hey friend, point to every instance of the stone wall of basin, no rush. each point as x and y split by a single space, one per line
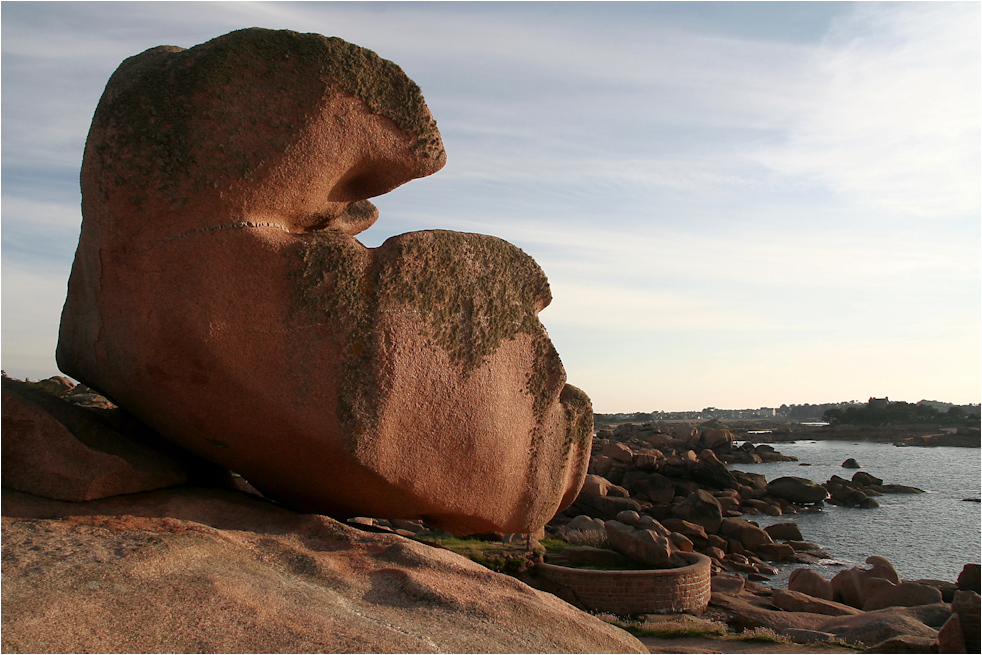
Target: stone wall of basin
657 591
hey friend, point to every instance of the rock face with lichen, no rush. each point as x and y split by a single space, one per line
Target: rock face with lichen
218 293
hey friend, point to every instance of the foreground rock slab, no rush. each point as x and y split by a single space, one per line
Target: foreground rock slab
193 570
218 293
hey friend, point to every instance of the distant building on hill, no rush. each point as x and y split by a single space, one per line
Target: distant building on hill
878 403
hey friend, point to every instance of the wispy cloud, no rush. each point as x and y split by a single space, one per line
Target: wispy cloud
893 118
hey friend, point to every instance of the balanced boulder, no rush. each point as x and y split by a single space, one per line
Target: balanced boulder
879 593
218 293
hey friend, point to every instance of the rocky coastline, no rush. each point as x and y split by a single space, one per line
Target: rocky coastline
676 481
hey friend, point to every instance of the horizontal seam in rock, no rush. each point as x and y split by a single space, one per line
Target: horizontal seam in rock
213 228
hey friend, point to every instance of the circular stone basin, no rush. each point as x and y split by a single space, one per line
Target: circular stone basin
652 591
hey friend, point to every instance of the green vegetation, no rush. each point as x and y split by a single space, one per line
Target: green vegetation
613 420
495 555
900 413
763 636
677 627
554 544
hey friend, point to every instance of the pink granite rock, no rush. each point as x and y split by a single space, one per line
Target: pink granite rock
848 585
52 448
950 637
219 295
191 570
810 582
879 593
793 601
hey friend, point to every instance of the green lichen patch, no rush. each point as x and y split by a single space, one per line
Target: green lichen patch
579 417
472 291
379 83
331 286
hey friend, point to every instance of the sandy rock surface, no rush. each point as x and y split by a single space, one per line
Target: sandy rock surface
194 570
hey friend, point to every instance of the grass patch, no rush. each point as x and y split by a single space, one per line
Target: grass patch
554 544
495 555
762 636
672 628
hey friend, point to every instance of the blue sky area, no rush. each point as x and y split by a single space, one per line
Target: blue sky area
737 204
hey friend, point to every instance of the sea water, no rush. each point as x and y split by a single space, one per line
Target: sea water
929 535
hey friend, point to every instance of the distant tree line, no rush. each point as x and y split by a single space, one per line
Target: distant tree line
902 413
615 419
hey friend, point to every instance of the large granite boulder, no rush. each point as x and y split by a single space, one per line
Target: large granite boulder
651 547
794 601
970 578
786 530
966 604
653 487
219 295
871 628
747 533
879 593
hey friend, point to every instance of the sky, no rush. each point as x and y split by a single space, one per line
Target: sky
737 205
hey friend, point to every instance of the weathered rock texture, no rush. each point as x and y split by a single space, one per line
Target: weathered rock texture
219 295
192 570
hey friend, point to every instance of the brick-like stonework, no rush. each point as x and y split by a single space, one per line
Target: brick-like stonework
659 591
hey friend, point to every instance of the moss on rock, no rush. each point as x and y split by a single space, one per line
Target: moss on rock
473 291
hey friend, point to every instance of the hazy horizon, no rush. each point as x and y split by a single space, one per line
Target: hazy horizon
737 205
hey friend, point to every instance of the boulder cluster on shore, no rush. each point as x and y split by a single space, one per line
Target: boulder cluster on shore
672 489
641 474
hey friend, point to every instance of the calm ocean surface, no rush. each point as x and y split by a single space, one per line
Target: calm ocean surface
930 535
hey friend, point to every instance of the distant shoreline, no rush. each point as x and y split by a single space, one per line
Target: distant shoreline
775 431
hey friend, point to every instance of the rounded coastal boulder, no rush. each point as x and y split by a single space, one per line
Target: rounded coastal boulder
218 293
